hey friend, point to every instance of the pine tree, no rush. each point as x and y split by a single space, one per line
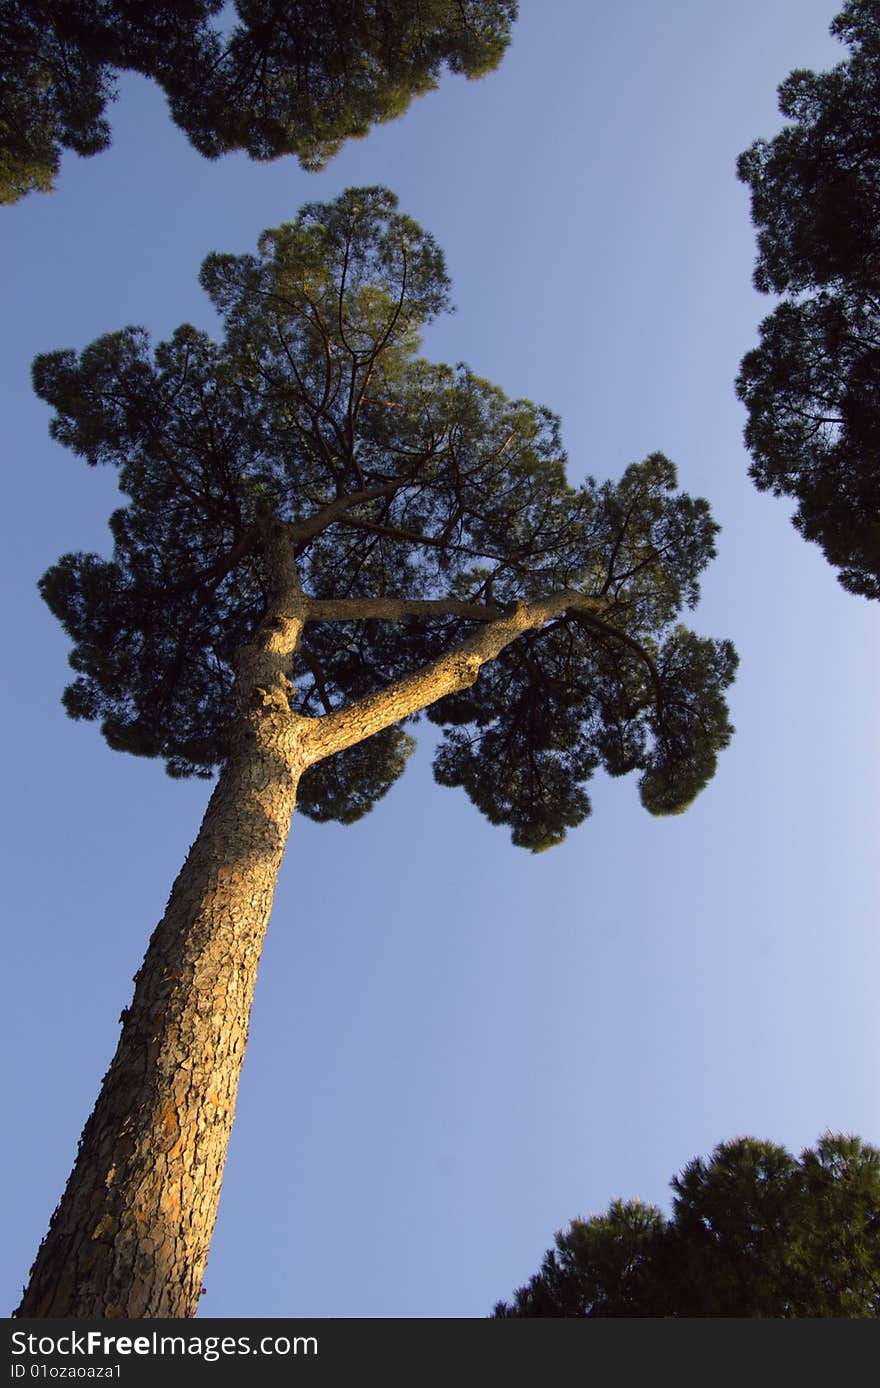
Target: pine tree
753 1233
299 78
812 387
324 535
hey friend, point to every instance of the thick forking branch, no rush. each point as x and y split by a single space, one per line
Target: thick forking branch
581 608
455 670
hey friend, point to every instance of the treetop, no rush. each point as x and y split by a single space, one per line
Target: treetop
420 504
299 78
754 1231
812 386
814 185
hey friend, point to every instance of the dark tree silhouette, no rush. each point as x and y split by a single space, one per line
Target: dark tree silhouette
753 1232
294 78
812 387
326 534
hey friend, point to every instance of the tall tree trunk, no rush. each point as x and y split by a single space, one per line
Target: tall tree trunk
131 1234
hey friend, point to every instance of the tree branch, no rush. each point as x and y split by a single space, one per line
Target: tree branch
391 609
410 537
220 568
589 619
455 670
303 531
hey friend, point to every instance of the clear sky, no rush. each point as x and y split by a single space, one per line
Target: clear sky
457 1047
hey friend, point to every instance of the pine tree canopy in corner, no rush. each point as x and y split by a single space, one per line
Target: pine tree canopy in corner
753 1233
812 387
294 78
324 535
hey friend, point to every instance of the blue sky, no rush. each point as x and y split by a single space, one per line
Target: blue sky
457 1047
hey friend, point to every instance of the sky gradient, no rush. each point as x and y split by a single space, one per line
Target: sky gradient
456 1047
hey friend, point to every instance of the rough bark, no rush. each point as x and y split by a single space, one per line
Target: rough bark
131 1234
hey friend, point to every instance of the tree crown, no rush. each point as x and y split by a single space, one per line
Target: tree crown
814 185
753 1232
812 387
299 78
396 479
